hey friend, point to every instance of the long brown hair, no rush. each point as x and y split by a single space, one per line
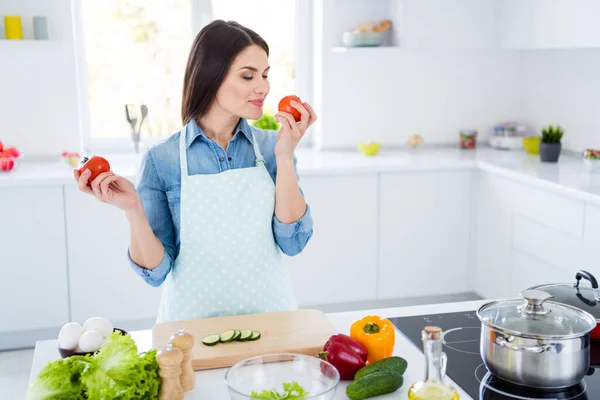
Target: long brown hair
212 53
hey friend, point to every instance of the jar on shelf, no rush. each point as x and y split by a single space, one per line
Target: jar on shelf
468 139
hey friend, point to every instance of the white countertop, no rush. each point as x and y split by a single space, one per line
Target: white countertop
570 176
210 384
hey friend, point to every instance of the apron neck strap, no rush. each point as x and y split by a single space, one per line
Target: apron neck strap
257 153
183 151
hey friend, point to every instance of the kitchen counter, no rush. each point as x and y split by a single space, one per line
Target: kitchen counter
210 383
570 176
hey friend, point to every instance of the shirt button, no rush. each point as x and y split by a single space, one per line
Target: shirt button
221 159
229 158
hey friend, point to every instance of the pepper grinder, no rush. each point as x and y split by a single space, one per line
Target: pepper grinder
169 362
184 341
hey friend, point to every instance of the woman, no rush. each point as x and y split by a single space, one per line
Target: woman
218 202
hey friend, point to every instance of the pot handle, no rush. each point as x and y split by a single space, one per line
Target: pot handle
586 275
506 343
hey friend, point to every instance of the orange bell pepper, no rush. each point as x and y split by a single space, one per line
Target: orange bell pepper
376 334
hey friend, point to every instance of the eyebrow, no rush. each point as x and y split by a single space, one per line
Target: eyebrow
253 69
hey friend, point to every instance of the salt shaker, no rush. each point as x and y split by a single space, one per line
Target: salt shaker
185 341
169 361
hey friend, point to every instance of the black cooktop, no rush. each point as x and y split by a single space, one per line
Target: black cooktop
465 366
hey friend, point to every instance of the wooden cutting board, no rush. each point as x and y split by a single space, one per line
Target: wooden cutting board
300 332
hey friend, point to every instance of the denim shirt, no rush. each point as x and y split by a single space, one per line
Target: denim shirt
159 187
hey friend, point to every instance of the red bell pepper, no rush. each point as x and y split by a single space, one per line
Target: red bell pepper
346 354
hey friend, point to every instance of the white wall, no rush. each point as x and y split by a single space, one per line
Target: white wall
38 105
563 86
446 74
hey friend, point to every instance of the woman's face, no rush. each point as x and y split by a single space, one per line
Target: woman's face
246 84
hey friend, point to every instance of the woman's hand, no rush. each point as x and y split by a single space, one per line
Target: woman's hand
109 188
291 131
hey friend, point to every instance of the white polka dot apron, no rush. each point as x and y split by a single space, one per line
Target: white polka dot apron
228 263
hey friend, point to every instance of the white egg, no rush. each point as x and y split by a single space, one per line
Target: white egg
69 335
90 341
102 325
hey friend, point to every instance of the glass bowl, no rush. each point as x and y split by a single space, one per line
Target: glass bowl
269 372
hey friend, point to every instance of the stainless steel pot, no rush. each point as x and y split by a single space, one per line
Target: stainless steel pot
536 343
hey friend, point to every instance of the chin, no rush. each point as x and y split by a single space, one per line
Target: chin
255 114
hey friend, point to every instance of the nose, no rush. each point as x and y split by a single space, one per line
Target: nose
263 87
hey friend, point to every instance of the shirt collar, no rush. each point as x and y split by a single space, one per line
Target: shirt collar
193 131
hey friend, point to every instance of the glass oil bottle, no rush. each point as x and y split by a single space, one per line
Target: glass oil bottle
434 386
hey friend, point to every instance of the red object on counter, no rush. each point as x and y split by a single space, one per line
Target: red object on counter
346 354
6 164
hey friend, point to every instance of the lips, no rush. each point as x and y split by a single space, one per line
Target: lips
258 103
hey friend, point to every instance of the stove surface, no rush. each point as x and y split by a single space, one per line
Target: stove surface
466 368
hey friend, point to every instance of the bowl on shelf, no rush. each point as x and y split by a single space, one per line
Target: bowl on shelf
591 157
362 39
64 353
532 144
269 372
369 148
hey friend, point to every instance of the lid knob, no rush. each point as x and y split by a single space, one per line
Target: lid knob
534 301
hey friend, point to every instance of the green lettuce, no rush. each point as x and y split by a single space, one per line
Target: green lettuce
116 371
291 391
60 380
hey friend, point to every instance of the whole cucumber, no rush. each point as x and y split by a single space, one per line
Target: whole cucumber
393 364
374 384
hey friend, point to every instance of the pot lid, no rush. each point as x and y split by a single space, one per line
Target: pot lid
537 316
584 295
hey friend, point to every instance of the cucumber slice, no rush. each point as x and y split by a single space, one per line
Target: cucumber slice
227 336
245 335
237 334
255 336
211 340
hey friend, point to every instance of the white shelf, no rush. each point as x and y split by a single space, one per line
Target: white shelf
342 49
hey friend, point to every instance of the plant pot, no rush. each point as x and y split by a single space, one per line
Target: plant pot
549 152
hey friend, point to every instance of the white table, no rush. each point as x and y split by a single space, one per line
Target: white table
210 384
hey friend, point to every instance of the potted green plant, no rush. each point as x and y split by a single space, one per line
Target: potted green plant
550 145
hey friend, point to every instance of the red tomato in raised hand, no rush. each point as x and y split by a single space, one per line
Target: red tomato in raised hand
96 165
11 152
6 164
285 106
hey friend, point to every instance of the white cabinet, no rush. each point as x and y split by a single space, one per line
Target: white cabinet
424 233
33 263
548 24
339 264
102 282
524 236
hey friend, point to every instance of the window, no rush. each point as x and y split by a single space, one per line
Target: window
135 51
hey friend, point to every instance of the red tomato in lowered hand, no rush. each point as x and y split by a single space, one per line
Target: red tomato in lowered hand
285 106
11 152
6 164
96 165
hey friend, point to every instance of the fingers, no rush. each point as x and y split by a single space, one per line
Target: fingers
313 114
305 115
82 181
97 182
287 120
105 185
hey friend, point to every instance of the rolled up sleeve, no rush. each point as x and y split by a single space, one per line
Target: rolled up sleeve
292 238
156 207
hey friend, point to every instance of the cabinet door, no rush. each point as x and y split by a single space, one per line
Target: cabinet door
101 280
339 264
424 233
547 24
33 266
